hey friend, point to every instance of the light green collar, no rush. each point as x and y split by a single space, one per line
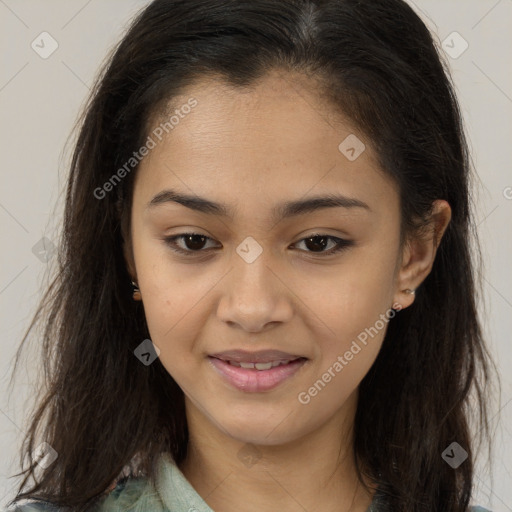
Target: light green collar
175 490
177 493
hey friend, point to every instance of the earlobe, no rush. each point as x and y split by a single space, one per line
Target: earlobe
419 254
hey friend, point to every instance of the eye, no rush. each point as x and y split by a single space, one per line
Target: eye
318 242
194 243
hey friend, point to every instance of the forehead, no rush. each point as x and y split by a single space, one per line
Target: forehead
258 145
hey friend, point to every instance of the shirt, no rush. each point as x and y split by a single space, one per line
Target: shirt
171 492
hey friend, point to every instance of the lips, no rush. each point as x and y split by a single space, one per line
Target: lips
256 380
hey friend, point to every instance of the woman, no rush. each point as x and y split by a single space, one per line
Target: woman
266 296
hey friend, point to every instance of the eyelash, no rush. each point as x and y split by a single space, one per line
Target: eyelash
342 244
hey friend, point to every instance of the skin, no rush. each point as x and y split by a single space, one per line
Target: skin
252 149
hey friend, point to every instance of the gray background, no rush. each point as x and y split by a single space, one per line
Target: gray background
40 100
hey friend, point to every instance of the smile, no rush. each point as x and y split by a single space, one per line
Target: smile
256 377
259 366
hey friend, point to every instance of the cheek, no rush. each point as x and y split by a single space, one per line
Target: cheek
166 292
167 301
353 295
355 310
356 335
357 330
173 319
175 307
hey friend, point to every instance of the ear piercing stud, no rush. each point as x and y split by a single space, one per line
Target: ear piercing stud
136 292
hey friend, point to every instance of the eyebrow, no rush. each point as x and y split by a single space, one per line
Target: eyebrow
279 212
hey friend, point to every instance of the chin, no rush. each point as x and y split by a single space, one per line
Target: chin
261 433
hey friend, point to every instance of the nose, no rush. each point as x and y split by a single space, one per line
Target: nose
255 296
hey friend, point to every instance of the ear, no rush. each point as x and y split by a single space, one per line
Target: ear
419 253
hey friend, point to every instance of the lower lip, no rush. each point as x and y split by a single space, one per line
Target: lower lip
252 380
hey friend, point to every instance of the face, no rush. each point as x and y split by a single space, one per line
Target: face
316 283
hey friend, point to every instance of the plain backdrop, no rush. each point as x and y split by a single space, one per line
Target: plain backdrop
40 99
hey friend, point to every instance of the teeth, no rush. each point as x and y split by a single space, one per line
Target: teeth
259 366
263 366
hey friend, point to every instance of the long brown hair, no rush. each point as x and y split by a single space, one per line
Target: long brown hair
378 63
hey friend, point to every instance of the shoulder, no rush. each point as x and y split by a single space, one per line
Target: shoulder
35 506
126 493
376 508
135 493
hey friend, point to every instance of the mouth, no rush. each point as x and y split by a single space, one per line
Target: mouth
275 357
256 377
261 366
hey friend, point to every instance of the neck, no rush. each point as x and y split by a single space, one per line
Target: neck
315 472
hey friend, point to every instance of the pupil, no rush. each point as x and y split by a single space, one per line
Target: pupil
322 245
194 238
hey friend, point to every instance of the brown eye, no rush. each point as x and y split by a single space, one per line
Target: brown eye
194 242
191 243
318 242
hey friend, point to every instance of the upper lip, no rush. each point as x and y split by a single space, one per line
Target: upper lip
261 356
